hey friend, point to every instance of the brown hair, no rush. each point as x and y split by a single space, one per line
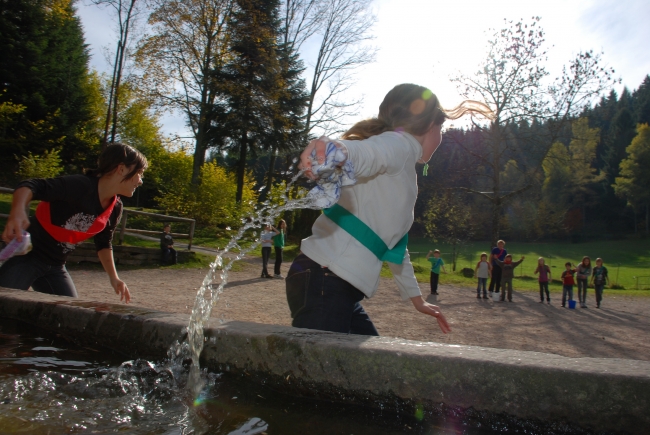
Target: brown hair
586 258
413 109
117 154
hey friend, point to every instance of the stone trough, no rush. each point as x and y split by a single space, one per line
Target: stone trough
593 393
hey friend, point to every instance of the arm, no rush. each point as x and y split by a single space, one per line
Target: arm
18 219
106 258
429 254
432 310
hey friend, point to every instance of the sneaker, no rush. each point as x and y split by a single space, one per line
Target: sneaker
278 276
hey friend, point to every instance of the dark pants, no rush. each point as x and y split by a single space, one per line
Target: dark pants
169 255
266 254
543 286
278 260
567 292
582 290
599 294
481 282
434 283
495 281
318 299
25 271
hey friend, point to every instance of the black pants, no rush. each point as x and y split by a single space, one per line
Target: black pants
169 256
318 299
23 271
496 279
278 260
434 282
543 287
266 254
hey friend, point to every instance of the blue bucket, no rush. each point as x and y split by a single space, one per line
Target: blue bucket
572 305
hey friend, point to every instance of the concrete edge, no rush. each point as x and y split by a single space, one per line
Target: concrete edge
593 393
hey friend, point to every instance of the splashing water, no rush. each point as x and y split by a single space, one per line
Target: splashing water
208 295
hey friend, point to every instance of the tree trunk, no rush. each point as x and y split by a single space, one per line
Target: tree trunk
269 174
241 166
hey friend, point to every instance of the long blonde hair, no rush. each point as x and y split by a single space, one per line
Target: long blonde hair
411 108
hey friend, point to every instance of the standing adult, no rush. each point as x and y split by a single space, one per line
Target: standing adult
498 253
278 244
73 208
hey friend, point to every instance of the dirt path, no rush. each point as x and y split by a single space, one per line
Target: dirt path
619 330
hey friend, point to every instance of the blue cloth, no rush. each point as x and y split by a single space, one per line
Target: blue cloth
335 172
502 255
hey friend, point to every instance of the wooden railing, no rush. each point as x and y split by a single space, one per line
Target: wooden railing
160 217
5 190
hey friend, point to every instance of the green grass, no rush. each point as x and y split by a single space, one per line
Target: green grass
625 260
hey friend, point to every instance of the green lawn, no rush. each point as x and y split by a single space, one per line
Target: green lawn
625 260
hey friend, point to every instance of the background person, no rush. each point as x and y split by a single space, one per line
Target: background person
583 271
437 263
498 253
278 244
73 208
266 239
169 254
599 279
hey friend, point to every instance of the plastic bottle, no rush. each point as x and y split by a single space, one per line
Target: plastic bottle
16 248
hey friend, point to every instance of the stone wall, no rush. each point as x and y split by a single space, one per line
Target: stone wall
593 393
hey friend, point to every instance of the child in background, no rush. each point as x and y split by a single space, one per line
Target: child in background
567 283
507 274
482 271
544 277
278 244
169 254
599 279
266 239
582 273
436 265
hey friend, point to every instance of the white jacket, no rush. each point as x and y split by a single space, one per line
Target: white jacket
383 199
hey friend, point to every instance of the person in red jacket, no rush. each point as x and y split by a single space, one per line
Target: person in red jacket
73 208
567 283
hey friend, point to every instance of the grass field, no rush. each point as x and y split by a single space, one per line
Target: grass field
628 261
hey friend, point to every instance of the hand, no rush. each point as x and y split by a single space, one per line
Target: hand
431 310
522 257
121 289
16 223
320 146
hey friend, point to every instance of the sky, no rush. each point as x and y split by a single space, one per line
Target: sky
426 41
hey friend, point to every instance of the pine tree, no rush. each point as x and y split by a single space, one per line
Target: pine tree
44 68
254 84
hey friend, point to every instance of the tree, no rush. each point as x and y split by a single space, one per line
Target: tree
254 83
447 219
634 179
343 27
44 70
126 14
188 44
46 166
513 81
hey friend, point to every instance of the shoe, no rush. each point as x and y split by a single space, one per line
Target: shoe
435 293
562 305
509 300
278 276
268 276
548 301
496 291
542 301
598 306
478 296
485 297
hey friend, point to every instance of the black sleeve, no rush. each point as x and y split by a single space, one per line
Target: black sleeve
163 242
104 239
59 188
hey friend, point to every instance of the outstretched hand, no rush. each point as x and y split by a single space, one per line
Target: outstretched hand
432 310
121 289
16 223
320 145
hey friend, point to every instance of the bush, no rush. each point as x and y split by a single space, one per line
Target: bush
34 166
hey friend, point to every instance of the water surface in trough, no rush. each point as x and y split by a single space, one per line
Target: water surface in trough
51 386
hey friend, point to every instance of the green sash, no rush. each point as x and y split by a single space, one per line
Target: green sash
366 236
